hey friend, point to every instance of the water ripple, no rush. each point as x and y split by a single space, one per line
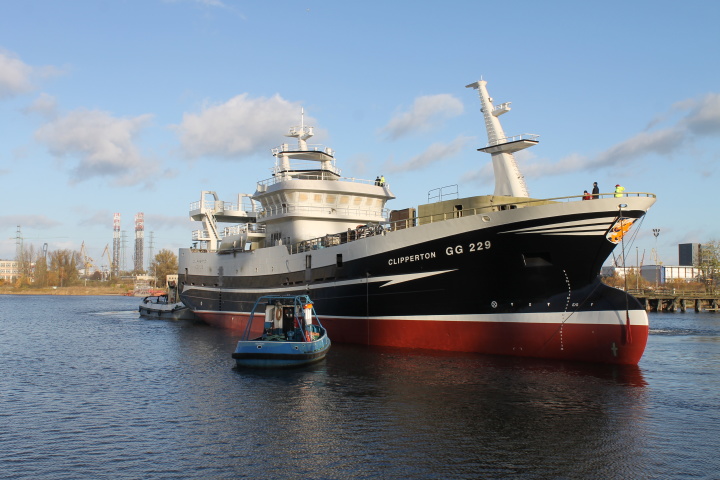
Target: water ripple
89 390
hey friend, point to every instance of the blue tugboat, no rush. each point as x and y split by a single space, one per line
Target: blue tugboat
291 334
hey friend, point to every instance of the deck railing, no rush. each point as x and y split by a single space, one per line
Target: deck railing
515 138
319 175
323 211
383 228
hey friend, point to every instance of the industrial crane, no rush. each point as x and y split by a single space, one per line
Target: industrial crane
87 261
105 253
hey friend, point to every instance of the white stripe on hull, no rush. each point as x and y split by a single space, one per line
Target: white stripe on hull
637 317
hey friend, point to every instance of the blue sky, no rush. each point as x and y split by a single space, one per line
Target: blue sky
139 105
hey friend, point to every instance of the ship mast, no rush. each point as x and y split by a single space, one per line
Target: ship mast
508 179
302 133
284 153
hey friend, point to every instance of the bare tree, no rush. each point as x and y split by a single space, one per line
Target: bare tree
41 272
26 260
64 267
709 262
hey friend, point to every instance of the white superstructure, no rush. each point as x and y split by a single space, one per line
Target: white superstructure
306 198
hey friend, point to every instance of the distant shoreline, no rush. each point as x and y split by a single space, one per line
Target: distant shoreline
65 291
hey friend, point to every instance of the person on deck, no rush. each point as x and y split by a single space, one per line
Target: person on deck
595 191
586 195
619 189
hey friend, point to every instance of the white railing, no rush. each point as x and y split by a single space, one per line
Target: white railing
313 176
325 211
309 147
243 228
221 206
386 228
202 235
514 138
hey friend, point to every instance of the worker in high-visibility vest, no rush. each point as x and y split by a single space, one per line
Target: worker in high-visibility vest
619 189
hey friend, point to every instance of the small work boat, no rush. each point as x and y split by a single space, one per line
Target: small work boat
291 334
158 306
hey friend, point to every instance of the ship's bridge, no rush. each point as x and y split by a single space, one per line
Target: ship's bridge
304 154
312 203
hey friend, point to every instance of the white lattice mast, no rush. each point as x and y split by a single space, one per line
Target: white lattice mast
115 267
508 179
139 241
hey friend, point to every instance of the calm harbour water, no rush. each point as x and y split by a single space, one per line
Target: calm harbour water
90 390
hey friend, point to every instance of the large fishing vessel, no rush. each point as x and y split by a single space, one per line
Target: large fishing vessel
496 274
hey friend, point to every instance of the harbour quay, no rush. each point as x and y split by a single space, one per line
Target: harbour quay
669 300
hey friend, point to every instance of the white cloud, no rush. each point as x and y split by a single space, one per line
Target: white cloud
569 164
358 164
423 115
702 119
93 218
161 223
482 175
704 116
102 144
45 105
242 126
37 222
662 142
14 75
435 153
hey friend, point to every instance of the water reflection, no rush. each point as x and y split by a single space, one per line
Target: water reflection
89 390
457 414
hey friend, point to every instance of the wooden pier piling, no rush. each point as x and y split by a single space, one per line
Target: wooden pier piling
671 301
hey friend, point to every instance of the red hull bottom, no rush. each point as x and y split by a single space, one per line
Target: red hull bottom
599 342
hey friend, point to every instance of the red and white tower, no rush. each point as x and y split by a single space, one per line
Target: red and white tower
115 267
139 239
